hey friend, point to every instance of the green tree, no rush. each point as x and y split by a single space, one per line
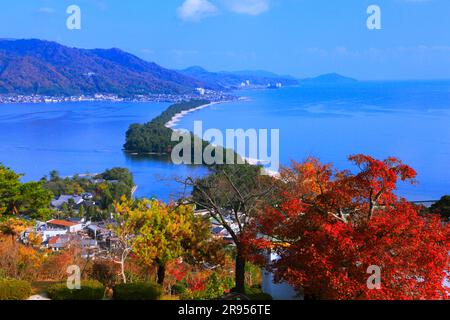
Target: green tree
127 222
65 208
54 175
442 207
34 200
29 198
215 287
120 174
160 231
233 195
81 212
9 191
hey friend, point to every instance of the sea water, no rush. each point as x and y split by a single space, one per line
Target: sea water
409 120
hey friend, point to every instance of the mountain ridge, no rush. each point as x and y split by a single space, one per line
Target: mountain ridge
328 78
32 66
40 67
236 79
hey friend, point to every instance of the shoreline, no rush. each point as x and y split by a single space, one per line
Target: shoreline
256 162
180 115
113 98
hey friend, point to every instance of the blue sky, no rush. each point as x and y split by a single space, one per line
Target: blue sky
299 37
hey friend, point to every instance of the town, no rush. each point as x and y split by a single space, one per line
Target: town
96 238
211 95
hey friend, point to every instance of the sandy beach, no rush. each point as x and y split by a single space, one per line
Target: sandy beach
177 117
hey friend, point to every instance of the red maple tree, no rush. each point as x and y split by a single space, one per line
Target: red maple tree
330 226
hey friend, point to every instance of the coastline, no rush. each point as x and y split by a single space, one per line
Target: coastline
156 97
180 115
256 162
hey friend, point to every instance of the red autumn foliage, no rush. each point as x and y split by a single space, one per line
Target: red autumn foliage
198 282
330 226
177 271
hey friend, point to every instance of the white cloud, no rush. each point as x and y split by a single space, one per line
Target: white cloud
250 7
196 9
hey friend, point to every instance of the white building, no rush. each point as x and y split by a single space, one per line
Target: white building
57 203
47 234
201 91
71 227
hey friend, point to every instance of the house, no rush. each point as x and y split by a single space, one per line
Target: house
47 232
53 229
220 232
68 200
87 196
97 232
89 248
202 213
200 91
93 231
71 227
89 244
58 243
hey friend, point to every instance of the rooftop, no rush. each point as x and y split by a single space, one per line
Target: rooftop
62 223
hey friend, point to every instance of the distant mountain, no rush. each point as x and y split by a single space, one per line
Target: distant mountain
233 80
43 67
330 78
261 74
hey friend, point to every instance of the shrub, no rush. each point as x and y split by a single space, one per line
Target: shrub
137 291
179 287
105 272
11 289
260 296
90 290
442 207
215 287
256 293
